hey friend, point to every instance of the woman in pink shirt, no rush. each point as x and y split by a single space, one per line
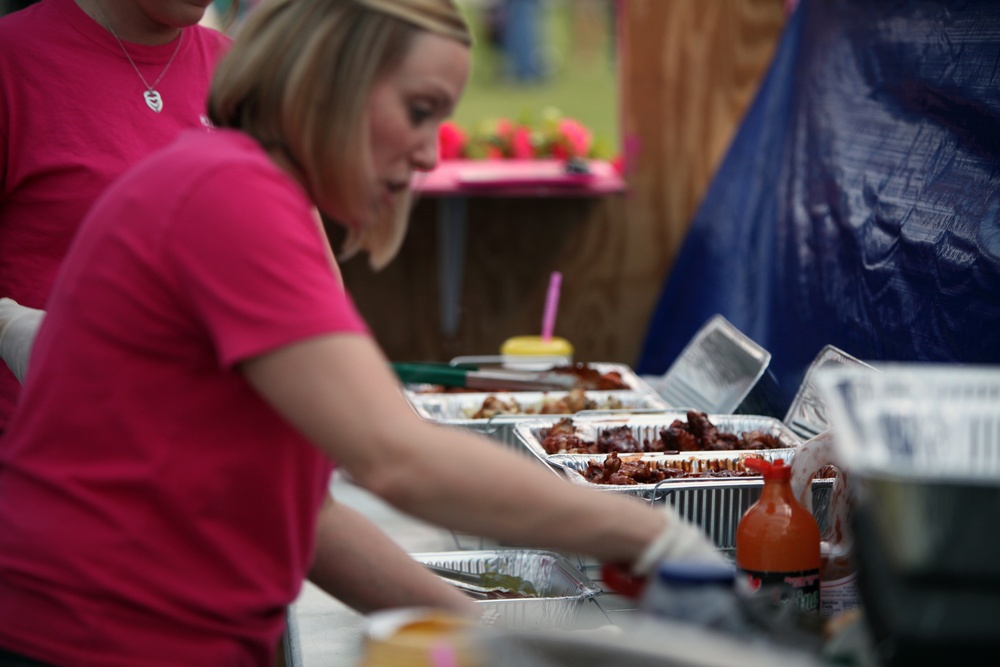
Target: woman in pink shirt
200 371
87 89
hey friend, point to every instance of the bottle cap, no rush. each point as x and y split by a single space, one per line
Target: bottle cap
777 469
682 573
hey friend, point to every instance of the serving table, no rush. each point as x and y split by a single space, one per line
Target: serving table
323 632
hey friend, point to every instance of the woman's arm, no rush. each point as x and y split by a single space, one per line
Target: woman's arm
360 566
340 392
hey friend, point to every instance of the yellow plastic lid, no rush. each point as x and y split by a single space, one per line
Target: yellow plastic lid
534 345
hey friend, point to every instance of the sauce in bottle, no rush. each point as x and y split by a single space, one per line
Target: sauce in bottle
778 541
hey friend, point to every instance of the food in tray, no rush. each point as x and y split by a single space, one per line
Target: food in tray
562 438
507 586
585 377
562 404
617 470
697 434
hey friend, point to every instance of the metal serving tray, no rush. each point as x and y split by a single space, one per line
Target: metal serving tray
921 446
566 594
648 426
807 415
714 504
629 377
454 409
717 371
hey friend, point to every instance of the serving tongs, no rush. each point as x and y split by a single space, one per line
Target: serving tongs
486 379
468 582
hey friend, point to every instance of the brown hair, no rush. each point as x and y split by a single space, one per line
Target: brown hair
297 79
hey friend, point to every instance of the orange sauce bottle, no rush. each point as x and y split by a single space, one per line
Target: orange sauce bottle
778 540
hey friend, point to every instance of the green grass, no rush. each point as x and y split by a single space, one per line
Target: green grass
582 83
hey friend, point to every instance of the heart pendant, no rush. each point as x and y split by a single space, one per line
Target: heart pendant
153 100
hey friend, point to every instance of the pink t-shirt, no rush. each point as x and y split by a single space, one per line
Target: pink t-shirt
72 119
155 511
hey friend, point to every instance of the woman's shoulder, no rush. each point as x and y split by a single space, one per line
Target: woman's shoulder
221 157
212 40
26 27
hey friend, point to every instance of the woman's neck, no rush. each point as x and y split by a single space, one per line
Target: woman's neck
128 22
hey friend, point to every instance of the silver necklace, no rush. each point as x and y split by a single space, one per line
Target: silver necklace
153 98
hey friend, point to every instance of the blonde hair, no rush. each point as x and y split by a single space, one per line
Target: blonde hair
297 79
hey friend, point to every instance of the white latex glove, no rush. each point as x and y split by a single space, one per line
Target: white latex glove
18 326
680 541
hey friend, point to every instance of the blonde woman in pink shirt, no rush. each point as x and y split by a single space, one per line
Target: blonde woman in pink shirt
200 370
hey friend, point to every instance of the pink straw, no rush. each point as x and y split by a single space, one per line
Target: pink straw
551 305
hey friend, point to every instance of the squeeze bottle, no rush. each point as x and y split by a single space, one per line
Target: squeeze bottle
778 541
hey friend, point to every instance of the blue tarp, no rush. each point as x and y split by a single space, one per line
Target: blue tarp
859 204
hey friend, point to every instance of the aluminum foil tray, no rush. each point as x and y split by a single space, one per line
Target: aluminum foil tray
454 409
629 377
565 592
921 446
530 434
715 372
807 415
714 504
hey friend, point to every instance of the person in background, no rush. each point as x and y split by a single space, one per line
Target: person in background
523 41
200 370
228 15
87 88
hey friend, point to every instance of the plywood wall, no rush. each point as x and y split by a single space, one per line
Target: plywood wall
689 69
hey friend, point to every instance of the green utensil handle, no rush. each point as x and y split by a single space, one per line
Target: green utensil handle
442 374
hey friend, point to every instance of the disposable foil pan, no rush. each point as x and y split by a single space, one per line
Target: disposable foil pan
530 434
921 446
629 377
455 409
807 415
716 371
574 466
714 504
565 593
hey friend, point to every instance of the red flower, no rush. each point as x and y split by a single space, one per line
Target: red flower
520 144
504 130
573 140
451 141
